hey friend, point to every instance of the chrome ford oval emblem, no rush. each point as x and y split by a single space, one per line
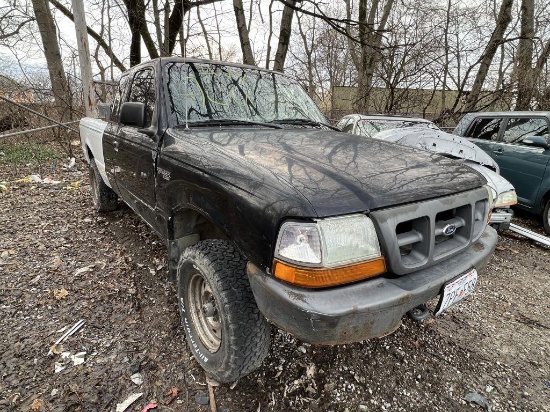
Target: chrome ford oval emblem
449 230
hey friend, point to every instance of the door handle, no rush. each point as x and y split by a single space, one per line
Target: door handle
115 145
498 151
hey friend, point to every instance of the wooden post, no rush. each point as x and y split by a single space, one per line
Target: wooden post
84 58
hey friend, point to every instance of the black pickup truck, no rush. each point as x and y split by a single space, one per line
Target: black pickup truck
270 214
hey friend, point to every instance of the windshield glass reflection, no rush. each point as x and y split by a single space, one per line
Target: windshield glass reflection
199 92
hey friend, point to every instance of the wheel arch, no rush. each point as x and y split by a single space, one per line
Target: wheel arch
187 227
89 152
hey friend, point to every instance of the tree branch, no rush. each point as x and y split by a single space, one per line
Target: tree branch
16 31
92 33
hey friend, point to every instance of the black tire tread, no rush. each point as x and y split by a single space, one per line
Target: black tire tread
107 200
249 330
545 216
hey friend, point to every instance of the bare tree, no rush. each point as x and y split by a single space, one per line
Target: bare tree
46 26
368 55
497 38
96 36
284 35
243 30
526 81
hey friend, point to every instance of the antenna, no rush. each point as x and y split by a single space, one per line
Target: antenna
186 95
184 55
184 46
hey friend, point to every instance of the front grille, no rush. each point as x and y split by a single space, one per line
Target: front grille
419 235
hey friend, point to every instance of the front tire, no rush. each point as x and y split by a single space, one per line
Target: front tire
103 197
546 217
225 330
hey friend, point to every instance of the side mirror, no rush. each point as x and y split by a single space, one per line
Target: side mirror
132 114
104 111
536 141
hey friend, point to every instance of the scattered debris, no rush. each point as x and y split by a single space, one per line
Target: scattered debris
480 400
311 370
172 394
149 407
202 398
54 392
137 378
74 185
49 181
84 270
70 164
35 179
78 358
59 294
212 399
530 234
58 367
121 407
37 404
71 331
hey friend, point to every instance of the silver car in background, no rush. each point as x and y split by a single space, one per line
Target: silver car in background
420 133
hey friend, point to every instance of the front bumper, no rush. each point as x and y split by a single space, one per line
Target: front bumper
501 217
362 310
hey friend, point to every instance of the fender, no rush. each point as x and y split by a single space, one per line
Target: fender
91 138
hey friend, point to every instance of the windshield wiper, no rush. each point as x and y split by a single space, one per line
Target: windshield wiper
305 121
229 122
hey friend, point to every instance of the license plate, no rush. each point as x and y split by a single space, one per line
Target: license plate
456 290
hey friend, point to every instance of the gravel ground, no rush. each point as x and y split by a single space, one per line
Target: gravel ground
61 262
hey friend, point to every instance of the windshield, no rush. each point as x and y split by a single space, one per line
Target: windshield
371 127
202 92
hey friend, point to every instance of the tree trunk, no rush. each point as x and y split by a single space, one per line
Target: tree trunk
248 57
136 20
370 55
525 72
284 36
503 20
47 29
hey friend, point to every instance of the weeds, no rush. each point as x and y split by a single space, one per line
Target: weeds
21 154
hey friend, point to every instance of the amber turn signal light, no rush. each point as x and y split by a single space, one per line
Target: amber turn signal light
323 277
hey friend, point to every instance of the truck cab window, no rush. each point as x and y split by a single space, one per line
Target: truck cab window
519 128
485 128
143 91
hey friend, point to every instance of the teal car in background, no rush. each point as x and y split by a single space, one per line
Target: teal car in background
520 144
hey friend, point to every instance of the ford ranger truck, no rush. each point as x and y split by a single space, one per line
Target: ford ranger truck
269 214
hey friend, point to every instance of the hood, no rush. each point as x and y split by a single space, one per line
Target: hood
337 173
438 141
494 180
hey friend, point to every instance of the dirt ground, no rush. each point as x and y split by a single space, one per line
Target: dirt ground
60 262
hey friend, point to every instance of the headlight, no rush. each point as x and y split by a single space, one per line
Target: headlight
508 198
328 252
299 242
491 196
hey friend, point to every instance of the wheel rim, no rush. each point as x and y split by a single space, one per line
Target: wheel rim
204 312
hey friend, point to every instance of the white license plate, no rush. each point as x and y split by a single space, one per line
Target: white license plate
456 290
